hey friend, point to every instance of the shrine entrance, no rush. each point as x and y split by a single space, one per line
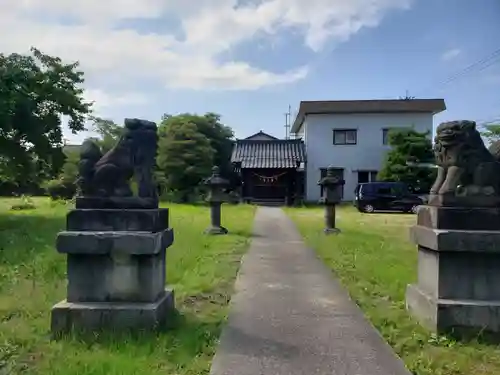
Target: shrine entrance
271 170
266 185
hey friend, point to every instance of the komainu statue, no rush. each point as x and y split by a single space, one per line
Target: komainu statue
466 168
103 178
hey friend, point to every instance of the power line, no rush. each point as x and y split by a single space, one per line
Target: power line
479 66
492 57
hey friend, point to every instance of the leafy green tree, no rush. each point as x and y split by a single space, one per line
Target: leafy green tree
219 135
36 91
408 145
30 181
64 186
491 132
109 132
185 157
69 172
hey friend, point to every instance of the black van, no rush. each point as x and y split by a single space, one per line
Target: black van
385 196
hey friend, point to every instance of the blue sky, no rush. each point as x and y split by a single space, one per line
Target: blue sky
249 60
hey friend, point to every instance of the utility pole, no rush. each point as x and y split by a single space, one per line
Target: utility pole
288 116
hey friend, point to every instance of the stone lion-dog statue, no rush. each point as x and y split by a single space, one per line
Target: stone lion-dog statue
108 175
465 167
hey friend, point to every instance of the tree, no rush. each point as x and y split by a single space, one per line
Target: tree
219 135
34 173
185 156
491 132
35 92
408 145
69 172
109 132
64 186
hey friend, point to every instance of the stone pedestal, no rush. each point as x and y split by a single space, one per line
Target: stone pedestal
330 215
215 220
458 269
215 198
115 269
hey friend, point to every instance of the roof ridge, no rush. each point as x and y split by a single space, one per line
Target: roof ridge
282 153
370 100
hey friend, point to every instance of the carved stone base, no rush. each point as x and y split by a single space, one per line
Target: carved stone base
464 201
115 269
136 220
459 218
116 203
216 230
458 269
331 230
88 317
443 315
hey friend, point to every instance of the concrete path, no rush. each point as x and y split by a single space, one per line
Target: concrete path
289 316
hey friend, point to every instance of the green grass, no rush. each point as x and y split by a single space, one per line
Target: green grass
375 261
200 268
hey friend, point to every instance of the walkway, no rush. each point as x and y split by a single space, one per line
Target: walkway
290 317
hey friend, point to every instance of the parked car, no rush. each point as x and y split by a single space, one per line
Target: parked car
385 196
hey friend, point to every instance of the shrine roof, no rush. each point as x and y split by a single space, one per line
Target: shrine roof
280 153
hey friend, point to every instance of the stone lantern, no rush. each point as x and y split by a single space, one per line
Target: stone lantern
216 197
332 195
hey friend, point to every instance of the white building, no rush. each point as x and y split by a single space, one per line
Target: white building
352 136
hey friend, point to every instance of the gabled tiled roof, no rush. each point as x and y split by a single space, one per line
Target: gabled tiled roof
269 154
261 136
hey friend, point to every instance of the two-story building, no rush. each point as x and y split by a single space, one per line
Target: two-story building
352 136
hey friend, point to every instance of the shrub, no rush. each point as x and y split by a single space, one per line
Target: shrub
26 203
195 195
60 189
234 197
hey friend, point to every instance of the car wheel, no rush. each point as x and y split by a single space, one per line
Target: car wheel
368 208
414 209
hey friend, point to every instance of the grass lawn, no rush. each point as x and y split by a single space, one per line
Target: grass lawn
200 268
375 260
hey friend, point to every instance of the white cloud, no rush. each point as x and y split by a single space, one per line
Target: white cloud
95 32
451 54
104 104
103 100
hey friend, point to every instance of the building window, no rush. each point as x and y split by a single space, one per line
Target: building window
385 136
367 176
345 136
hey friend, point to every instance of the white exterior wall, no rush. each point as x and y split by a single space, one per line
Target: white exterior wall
302 133
367 154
